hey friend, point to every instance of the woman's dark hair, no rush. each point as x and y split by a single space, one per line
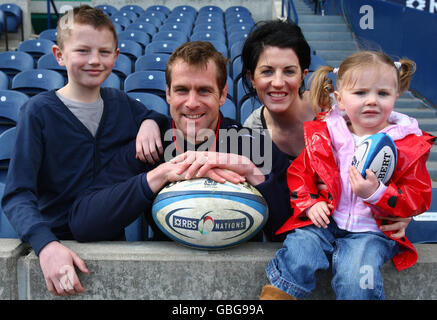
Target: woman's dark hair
275 33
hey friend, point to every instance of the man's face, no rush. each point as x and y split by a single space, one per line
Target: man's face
195 99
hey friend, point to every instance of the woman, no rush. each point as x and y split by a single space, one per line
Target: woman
276 58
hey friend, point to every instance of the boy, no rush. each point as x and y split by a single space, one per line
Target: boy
64 138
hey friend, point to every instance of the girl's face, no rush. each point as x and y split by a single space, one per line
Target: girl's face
277 78
368 96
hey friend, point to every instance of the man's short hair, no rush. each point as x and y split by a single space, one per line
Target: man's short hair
86 15
199 53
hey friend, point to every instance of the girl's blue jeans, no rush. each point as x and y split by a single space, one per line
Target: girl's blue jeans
356 262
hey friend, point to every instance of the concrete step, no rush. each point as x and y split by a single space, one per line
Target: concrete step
166 270
427 124
315 19
422 112
329 36
331 45
339 54
432 169
334 27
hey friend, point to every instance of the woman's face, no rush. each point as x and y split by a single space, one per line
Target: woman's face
277 78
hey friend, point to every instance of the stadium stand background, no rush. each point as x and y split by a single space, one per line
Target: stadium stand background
145 46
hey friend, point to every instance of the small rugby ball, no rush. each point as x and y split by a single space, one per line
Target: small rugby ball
204 214
377 153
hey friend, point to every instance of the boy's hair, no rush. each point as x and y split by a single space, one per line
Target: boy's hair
199 53
322 86
276 33
83 14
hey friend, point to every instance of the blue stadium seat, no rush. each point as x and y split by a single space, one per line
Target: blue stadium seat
177 26
236 68
241 93
118 28
152 61
123 66
127 14
208 36
214 16
236 37
32 82
212 20
177 36
237 10
6 230
137 230
160 15
181 18
207 9
146 81
229 110
208 27
121 20
133 8
230 84
423 228
232 21
130 48
185 9
151 101
12 62
235 50
4 81
112 81
14 19
239 27
220 47
142 38
159 8
49 34
10 104
149 28
48 61
149 19
108 9
161 47
248 106
36 48
14 16
7 142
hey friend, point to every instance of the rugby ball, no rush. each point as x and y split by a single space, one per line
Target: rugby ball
377 153
204 214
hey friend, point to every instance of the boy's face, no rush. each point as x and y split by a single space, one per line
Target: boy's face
89 55
195 99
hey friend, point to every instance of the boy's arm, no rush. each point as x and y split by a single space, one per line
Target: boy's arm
20 202
117 197
149 146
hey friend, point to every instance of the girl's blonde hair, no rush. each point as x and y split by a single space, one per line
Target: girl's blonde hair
322 86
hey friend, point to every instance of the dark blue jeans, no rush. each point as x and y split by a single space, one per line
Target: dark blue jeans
356 261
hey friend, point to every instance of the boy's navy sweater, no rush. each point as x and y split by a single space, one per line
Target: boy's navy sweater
121 192
56 158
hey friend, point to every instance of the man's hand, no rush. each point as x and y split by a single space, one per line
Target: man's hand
148 143
233 167
57 264
397 227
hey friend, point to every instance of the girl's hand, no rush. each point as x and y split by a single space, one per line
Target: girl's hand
397 227
319 214
363 188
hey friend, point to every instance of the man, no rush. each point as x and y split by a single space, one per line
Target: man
218 148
